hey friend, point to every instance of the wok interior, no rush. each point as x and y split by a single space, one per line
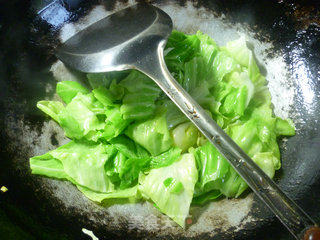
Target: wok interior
291 63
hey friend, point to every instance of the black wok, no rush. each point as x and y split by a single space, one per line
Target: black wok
285 36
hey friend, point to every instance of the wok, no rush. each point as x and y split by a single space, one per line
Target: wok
285 37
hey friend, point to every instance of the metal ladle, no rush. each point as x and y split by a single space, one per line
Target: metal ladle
134 38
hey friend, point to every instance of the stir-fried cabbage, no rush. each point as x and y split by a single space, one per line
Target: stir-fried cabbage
128 140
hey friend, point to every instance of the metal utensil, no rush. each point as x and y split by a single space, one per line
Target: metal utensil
134 38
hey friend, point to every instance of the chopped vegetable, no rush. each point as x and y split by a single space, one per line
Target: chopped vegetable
171 187
3 189
128 140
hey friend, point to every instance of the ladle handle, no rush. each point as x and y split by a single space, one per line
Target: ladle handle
288 212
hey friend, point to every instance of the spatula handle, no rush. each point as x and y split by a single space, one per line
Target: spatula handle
288 212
